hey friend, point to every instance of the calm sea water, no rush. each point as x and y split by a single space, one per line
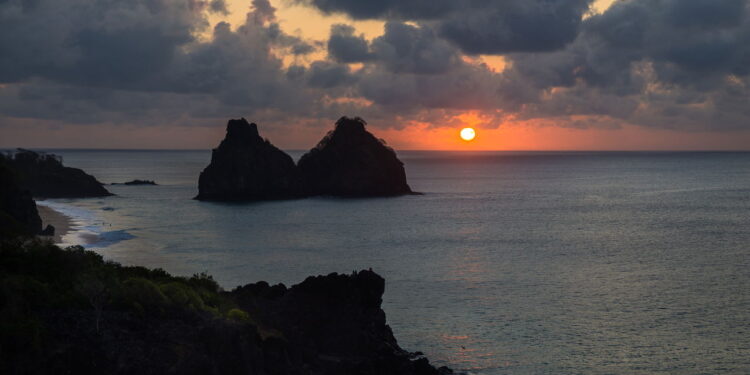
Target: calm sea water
511 263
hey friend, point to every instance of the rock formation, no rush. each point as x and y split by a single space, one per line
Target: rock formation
45 177
350 162
18 213
71 312
246 167
136 182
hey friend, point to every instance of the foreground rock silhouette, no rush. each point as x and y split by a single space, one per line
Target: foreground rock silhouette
348 162
45 176
247 167
74 313
18 213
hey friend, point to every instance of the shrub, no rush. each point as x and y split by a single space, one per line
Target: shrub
140 293
182 296
239 315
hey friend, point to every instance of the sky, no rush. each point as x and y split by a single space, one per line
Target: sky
526 74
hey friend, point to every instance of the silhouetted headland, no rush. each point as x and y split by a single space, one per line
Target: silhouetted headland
348 162
45 176
69 311
18 212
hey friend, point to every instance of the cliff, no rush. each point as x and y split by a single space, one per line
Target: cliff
18 213
350 162
45 177
247 167
68 311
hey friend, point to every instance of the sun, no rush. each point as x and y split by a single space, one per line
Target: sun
468 134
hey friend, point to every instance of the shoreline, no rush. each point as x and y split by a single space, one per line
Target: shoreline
63 224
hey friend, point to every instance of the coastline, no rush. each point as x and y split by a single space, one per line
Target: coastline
63 224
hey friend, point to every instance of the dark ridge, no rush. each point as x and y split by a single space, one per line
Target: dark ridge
72 312
45 176
18 213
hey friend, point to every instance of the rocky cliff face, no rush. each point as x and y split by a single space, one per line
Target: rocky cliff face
351 162
45 177
247 167
336 323
327 325
18 213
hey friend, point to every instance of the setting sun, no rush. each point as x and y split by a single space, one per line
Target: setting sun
468 134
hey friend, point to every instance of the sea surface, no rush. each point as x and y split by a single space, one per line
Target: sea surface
510 263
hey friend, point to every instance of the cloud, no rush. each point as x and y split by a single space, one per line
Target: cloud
661 63
670 63
345 47
479 26
514 26
76 59
405 48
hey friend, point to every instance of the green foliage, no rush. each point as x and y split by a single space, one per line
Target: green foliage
182 296
36 275
239 315
141 293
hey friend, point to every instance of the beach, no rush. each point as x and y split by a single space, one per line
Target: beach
62 223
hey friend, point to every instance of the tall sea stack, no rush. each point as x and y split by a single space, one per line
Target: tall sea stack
245 167
351 162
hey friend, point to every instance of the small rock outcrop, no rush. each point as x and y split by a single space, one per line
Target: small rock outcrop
49 231
246 167
45 176
18 213
351 162
136 182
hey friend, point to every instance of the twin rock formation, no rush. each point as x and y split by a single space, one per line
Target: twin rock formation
348 162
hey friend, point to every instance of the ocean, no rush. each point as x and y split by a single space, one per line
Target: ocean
510 263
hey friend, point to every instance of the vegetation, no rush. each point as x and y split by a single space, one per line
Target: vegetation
37 276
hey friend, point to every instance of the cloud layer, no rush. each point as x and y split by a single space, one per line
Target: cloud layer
658 63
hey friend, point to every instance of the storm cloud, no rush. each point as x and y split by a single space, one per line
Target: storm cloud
659 63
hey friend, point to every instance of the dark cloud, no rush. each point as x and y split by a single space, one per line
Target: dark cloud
345 47
669 63
662 63
479 26
404 48
99 49
366 9
324 74
514 26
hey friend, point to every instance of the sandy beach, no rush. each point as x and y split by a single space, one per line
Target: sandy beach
62 223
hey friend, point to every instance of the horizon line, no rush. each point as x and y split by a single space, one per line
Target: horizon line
399 150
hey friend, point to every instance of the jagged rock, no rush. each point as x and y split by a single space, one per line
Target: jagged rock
332 325
136 182
246 167
45 177
49 230
350 162
18 213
